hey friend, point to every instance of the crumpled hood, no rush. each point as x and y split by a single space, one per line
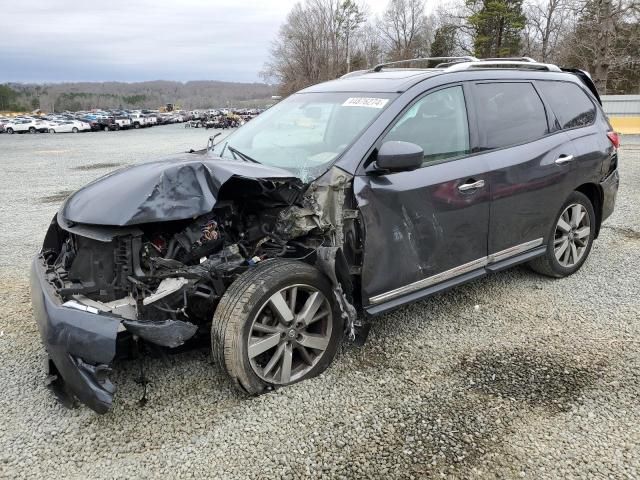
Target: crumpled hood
173 189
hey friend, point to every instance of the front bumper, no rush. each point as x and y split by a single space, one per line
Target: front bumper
80 345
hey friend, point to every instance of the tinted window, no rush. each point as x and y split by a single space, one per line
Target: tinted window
570 104
438 123
510 113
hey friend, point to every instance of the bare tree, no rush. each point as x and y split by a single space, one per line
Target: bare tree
404 29
314 44
547 23
605 38
369 46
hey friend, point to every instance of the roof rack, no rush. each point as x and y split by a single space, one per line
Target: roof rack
380 66
504 63
520 59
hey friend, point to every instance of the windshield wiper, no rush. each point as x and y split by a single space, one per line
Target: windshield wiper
234 151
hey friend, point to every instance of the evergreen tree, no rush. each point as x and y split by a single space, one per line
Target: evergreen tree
497 27
444 42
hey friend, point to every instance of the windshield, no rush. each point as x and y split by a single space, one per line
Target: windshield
306 132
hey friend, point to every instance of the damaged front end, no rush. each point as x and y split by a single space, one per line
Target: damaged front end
146 253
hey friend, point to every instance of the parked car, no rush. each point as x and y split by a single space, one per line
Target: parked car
140 120
122 122
151 119
68 126
3 121
362 194
25 125
92 122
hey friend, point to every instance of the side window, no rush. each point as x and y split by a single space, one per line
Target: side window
509 114
570 104
438 123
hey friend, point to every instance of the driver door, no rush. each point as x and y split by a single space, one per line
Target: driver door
425 227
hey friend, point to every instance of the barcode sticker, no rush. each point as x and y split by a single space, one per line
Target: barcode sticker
365 102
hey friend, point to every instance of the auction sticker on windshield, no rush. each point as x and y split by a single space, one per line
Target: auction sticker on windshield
365 102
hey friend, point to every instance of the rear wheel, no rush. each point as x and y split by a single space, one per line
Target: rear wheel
51 130
570 239
277 324
32 129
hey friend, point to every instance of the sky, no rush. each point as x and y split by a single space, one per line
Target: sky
138 40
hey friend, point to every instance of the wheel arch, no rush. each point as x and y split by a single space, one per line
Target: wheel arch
595 195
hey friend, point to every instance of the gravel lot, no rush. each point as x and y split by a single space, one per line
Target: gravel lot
512 376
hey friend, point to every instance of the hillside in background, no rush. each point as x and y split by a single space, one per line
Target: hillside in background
84 95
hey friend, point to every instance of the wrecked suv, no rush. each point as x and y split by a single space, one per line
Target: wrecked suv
357 195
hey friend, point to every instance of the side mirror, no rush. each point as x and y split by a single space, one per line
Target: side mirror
399 156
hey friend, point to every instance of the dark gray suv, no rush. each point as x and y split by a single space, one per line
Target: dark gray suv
361 194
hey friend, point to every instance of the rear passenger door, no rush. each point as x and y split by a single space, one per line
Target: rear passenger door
530 165
576 114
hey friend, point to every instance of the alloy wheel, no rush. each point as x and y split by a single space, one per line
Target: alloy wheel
290 334
572 235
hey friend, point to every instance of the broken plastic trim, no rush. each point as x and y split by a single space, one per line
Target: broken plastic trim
166 333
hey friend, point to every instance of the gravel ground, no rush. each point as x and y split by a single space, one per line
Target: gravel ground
512 376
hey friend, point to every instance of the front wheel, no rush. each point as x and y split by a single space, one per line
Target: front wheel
10 131
51 130
32 130
74 129
277 324
570 239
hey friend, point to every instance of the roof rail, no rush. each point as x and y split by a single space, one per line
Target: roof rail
521 59
526 64
380 66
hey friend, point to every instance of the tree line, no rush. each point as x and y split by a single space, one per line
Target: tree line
90 95
324 39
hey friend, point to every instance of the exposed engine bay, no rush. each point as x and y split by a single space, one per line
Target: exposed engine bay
165 278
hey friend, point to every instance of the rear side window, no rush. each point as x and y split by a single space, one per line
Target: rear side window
509 114
570 104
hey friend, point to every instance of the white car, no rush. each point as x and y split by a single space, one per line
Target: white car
30 125
140 120
122 122
68 126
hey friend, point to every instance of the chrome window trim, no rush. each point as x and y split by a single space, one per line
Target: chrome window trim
456 271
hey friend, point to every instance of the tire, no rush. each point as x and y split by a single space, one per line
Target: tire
51 130
32 130
10 131
247 301
136 125
559 263
74 129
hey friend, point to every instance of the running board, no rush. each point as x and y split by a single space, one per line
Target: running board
481 271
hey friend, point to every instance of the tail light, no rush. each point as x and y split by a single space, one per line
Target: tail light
614 138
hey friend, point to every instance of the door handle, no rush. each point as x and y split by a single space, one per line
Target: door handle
562 159
465 187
